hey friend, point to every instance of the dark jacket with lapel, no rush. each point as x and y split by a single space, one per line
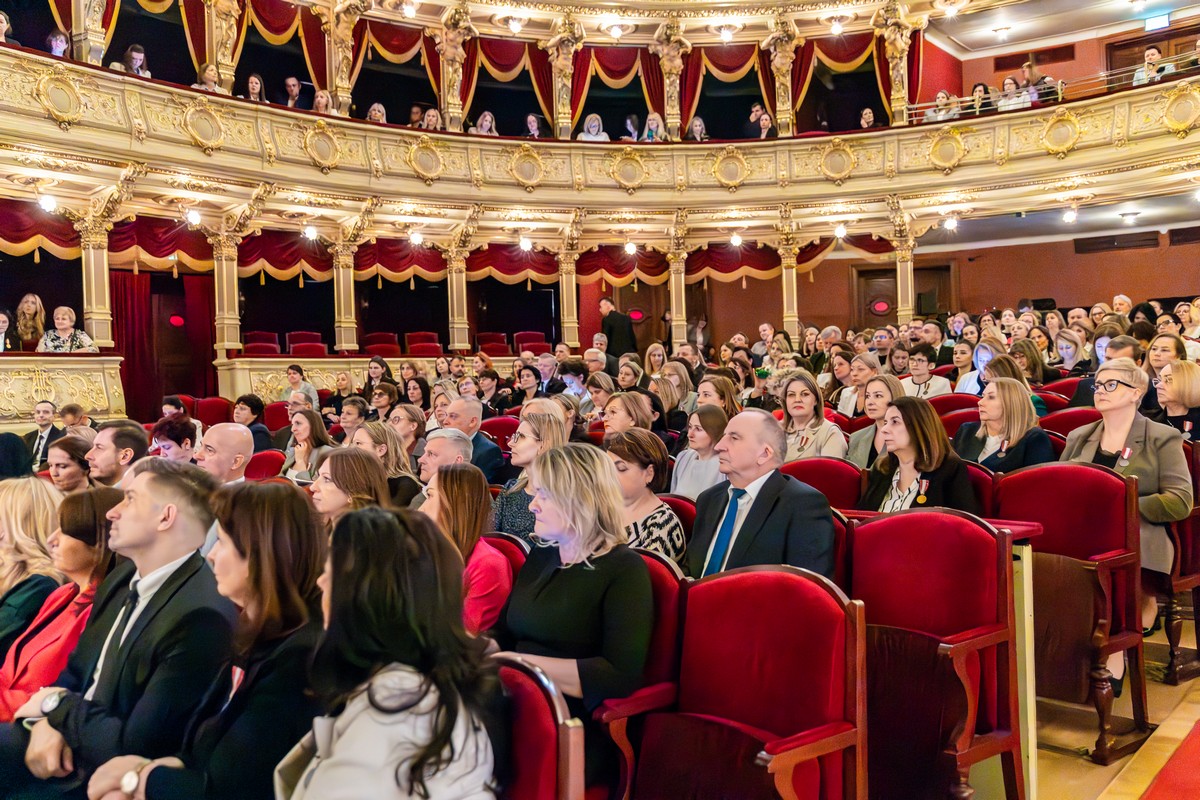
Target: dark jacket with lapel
1032 448
55 434
619 330
949 487
789 523
486 455
172 653
262 437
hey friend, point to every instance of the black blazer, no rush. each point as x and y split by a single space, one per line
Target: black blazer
55 434
178 645
619 330
233 743
20 604
262 437
1085 394
949 487
281 438
554 386
12 343
1032 448
789 523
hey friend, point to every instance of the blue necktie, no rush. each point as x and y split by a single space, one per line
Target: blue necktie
724 535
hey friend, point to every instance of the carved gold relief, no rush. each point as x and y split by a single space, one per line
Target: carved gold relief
323 146
526 167
947 150
837 161
628 169
1061 133
729 168
96 388
56 92
203 123
425 158
1182 109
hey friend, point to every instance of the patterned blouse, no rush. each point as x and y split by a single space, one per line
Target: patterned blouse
660 531
510 511
77 342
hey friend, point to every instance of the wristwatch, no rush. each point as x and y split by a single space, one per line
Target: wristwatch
131 779
50 702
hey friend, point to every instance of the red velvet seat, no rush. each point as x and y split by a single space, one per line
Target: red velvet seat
189 403
684 508
944 404
381 337
841 481
308 349
383 350
265 464
514 548
944 371
953 420
842 533
490 337
213 411
323 396
500 429
424 350
421 337
261 337
1067 420
513 411
837 419
765 704
302 337
522 338
546 741
1053 400
1185 576
260 349
1086 586
597 437
1066 387
596 425
1058 442
537 348
275 416
495 349
983 483
941 651
856 424
778 414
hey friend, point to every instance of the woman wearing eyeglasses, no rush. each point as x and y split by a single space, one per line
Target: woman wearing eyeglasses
536 434
1131 444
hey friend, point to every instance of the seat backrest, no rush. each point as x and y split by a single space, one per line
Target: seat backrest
546 741
1068 419
836 418
521 338
381 337
1066 387
261 337
265 464
841 481
944 404
420 337
189 403
391 350
496 349
597 437
213 411
514 549
309 349
752 636
425 349
666 582
684 508
953 420
260 349
857 424
1085 510
944 371
983 484
302 337
842 527
1053 400
275 416
1058 442
537 348
490 337
500 429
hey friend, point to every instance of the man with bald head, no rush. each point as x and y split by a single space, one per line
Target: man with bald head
224 454
759 515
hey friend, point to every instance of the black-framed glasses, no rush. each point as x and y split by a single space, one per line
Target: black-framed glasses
1110 386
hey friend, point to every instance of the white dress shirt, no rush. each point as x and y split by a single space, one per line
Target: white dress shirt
900 499
744 505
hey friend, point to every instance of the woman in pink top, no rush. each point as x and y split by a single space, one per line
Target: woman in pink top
457 499
80 551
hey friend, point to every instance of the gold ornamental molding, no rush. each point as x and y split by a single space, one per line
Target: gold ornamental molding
729 167
837 161
57 91
1182 109
323 146
526 167
203 122
1061 132
947 149
628 169
424 158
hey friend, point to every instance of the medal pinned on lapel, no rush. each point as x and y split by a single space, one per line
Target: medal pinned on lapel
921 488
1123 461
1003 449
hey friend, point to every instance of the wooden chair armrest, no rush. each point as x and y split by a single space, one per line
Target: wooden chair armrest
649 698
782 756
975 639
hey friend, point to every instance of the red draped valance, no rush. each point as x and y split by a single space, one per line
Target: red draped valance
159 243
508 263
397 260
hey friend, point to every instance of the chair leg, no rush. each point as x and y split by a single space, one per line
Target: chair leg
1135 657
961 789
1014 775
1102 699
1174 630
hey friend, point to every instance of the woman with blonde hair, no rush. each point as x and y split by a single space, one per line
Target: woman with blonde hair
593 130
349 479
681 379
581 608
485 125
808 432
28 515
1098 312
1072 353
863 367
457 499
671 399
867 444
655 130
537 433
323 103
443 393
1164 349
1178 389
31 318
384 441
717 390
1007 436
656 358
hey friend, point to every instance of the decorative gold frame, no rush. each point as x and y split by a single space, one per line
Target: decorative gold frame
1181 97
729 158
424 157
59 96
947 138
619 166
1062 120
838 147
526 167
316 135
198 115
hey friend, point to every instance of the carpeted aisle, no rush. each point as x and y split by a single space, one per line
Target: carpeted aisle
1180 777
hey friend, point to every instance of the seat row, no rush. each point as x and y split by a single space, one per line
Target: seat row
419 344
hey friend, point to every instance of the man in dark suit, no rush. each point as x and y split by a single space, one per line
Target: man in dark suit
934 334
39 441
760 515
159 635
547 366
292 97
695 364
611 363
618 328
465 414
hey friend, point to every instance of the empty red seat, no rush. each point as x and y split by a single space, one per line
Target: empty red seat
425 350
275 416
265 464
383 350
537 348
189 403
836 418
944 404
1054 402
983 483
381 338
523 338
420 337
1067 420
261 337
260 349
213 411
841 481
302 337
490 338
309 349
945 371
546 741
496 349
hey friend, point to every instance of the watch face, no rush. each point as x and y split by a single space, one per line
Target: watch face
51 702
129 782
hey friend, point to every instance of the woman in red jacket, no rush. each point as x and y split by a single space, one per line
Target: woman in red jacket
80 551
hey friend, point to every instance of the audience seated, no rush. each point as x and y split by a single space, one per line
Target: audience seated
348 479
133 62
1004 366
65 338
118 445
208 79
248 410
408 422
343 389
292 97
256 91
626 410
867 444
697 467
308 444
354 415
1012 96
1178 387
466 414
9 341
226 452
443 446
809 433
593 130
922 383
66 461
486 125
297 383
1007 436
383 440
28 517
38 441
536 434
641 461
172 437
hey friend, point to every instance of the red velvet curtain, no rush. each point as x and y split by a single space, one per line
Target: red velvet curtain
612 264
131 330
508 263
193 28
276 20
312 39
398 260
283 254
689 84
395 43
199 319
543 80
61 11
916 54
652 81
160 238
24 225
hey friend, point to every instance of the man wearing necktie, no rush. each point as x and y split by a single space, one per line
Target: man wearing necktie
760 515
47 433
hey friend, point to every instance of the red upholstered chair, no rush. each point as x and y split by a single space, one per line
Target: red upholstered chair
1053 400
496 349
425 350
1067 420
941 651
213 411
381 338
596 425
514 411
764 704
1086 586
842 532
189 403
514 548
546 741
265 464
490 338
1058 442
1185 576
421 337
500 429
856 424
597 437
953 420
684 508
275 416
302 337
336 430
537 348
944 404
837 419
523 338
260 349
383 350
308 349
841 481
983 482
778 414
1066 387
261 337
944 371
323 396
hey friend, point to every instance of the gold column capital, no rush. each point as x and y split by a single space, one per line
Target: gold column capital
566 40
781 43
892 23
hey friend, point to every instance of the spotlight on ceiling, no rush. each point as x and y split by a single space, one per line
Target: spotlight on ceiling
526 243
1070 216
615 27
840 231
47 203
836 27
408 8
310 233
951 223
513 22
1130 217
192 216
736 239
1001 33
630 248
416 238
